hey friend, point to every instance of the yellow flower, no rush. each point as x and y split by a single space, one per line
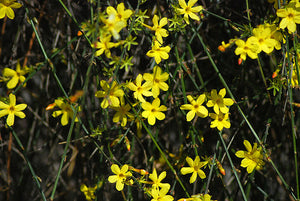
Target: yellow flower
195 168
104 46
276 35
157 81
113 24
121 177
253 157
12 110
122 113
121 14
66 112
161 195
294 80
140 89
219 102
157 27
291 17
157 180
198 197
6 8
221 120
246 48
188 10
111 94
158 52
195 107
153 111
89 192
16 76
262 37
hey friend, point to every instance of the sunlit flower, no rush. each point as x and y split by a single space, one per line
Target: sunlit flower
140 89
198 197
188 10
104 46
111 94
195 107
113 24
12 110
246 48
121 14
262 37
158 28
158 52
195 168
221 120
122 176
66 112
253 157
6 8
89 192
15 76
291 17
161 195
122 112
153 111
218 102
157 80
157 180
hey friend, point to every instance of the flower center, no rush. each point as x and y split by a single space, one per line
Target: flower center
196 106
11 108
153 110
290 16
187 9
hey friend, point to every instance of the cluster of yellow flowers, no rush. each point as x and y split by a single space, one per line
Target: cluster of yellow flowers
158 190
113 96
217 102
265 38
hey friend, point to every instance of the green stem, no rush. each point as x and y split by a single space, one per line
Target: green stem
63 158
35 177
232 166
290 92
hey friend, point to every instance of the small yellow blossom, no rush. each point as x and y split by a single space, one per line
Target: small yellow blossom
221 120
104 46
113 24
188 10
121 14
153 111
291 17
12 110
198 197
161 195
195 107
158 28
157 81
158 52
122 113
246 48
15 76
89 192
218 102
140 89
66 112
157 180
122 176
253 157
6 8
195 168
262 37
111 94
